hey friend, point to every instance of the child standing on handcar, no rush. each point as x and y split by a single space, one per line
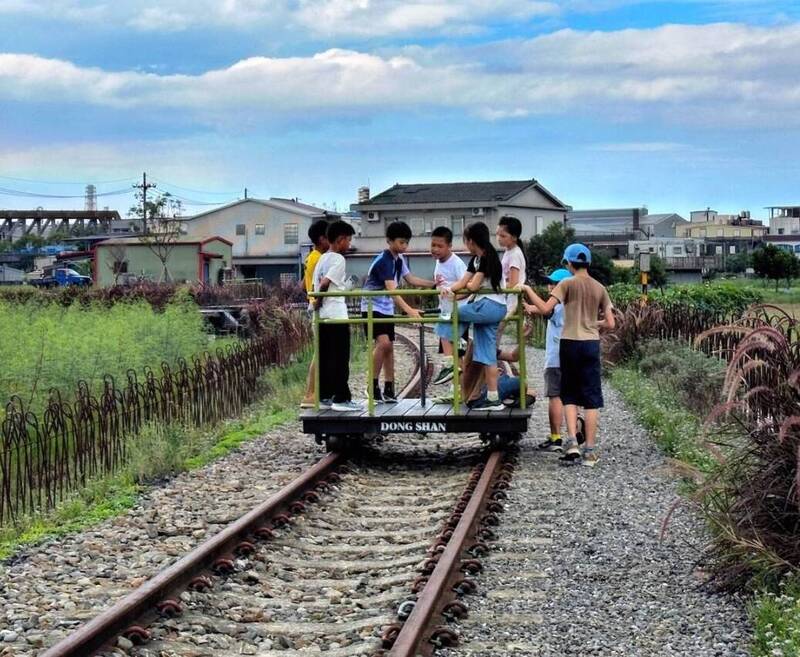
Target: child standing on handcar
486 311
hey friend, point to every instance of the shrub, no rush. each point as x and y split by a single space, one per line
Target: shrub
754 504
695 378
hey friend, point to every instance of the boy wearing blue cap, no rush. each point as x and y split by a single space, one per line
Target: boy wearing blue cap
584 300
552 367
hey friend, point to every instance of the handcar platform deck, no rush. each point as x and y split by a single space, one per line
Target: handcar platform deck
411 416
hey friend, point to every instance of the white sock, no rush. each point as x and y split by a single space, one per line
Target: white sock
492 395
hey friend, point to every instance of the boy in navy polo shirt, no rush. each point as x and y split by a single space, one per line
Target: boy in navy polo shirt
386 272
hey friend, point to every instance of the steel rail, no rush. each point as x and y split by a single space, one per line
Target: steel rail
106 627
411 640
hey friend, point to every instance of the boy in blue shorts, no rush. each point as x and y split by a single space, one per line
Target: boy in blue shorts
552 367
448 270
386 272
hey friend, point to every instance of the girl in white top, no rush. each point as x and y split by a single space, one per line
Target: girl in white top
508 233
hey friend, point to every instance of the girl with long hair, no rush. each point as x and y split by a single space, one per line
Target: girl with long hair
485 311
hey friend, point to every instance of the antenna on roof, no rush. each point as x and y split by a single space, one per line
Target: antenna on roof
245 193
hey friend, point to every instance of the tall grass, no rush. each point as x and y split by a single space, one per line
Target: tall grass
45 346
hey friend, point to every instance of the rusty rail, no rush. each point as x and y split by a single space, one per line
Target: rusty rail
212 555
417 634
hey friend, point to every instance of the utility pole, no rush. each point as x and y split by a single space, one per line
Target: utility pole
245 193
144 186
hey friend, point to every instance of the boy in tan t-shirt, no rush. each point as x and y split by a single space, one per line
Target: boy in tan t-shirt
579 351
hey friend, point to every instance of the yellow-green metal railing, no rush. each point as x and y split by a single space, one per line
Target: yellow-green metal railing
370 321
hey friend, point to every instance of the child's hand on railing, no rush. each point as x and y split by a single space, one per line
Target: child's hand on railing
446 293
413 312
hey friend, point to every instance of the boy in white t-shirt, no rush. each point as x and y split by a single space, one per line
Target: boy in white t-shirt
449 269
330 275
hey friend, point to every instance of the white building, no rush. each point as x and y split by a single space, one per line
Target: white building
784 220
455 205
269 237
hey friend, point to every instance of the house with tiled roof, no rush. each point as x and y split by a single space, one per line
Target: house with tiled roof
455 205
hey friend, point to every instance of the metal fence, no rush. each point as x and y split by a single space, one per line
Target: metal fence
45 457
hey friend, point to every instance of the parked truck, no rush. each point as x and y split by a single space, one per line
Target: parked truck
60 277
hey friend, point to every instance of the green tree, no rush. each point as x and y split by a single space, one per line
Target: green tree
603 269
161 229
772 263
737 264
546 250
25 241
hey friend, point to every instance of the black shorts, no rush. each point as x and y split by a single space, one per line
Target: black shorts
382 328
580 373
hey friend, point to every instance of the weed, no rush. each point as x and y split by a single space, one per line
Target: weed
776 621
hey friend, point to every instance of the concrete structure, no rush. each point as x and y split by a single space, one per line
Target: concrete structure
11 275
789 243
189 260
784 220
612 229
723 226
455 205
17 223
267 236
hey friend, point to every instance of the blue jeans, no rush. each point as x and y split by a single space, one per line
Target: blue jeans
507 387
485 315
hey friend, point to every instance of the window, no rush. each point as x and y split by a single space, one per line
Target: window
677 250
120 267
428 225
241 229
288 279
417 225
797 248
732 249
718 250
457 223
780 231
737 233
290 233
260 229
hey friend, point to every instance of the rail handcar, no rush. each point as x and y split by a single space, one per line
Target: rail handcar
419 415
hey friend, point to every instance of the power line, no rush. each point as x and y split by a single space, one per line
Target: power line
26 194
162 182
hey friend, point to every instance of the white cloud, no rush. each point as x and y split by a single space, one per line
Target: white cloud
363 18
707 74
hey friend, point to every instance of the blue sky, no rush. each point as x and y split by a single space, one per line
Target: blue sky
672 105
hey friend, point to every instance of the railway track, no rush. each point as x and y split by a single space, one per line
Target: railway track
359 555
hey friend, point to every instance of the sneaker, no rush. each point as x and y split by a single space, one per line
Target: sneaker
486 405
445 375
572 455
376 395
589 459
325 404
512 402
348 406
443 399
551 445
389 397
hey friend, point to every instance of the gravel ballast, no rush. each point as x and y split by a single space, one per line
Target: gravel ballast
579 567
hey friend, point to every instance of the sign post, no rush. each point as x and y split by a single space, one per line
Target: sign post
644 270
